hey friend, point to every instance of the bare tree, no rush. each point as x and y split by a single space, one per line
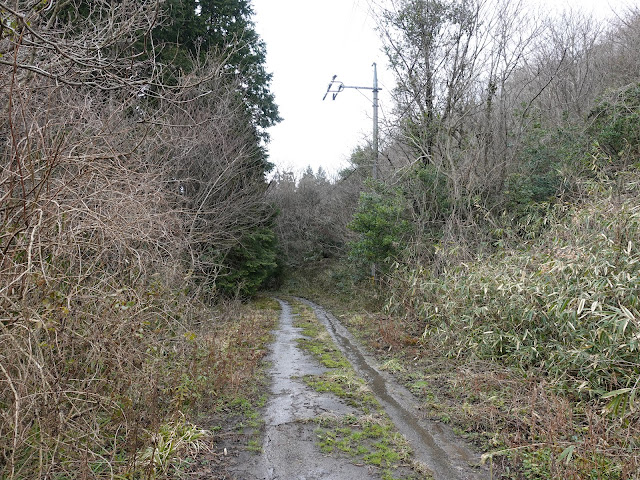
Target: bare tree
314 212
111 187
454 62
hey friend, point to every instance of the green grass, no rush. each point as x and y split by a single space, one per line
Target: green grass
369 436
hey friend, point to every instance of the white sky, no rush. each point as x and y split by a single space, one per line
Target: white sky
309 41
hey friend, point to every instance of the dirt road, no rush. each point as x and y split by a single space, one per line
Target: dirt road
291 447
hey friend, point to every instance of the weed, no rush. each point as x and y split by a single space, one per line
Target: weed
255 446
393 365
171 441
371 440
531 346
327 355
141 383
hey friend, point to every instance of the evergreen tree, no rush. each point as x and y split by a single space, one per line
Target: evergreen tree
179 36
198 27
194 31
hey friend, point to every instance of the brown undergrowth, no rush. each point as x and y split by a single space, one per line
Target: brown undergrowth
120 197
125 399
235 351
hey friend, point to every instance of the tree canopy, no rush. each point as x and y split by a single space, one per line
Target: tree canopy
199 27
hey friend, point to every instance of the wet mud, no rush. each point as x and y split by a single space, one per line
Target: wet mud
434 444
289 450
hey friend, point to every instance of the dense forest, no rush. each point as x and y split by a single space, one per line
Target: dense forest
138 205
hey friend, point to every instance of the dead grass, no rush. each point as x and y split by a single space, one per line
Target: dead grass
83 399
522 418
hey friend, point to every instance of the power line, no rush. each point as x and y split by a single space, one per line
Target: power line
337 86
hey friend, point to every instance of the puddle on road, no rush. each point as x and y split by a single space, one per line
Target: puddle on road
289 450
434 445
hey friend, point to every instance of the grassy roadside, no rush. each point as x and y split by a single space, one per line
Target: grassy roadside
530 428
230 355
120 386
368 437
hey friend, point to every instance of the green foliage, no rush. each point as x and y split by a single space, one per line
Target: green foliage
250 264
616 122
403 221
381 227
538 179
225 27
566 305
561 310
428 199
178 35
359 164
433 181
192 33
545 171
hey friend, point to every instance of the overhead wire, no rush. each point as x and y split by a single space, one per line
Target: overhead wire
360 19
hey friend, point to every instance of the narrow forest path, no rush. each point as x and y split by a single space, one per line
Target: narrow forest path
296 446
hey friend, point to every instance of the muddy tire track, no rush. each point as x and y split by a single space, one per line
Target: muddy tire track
289 449
434 444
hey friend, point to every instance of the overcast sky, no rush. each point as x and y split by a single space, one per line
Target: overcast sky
310 41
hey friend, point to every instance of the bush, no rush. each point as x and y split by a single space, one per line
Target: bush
566 305
250 265
546 166
616 123
381 227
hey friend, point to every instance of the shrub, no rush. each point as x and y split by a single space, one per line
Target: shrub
251 264
566 305
381 227
616 123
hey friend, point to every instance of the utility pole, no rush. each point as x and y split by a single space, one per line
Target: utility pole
374 173
335 87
